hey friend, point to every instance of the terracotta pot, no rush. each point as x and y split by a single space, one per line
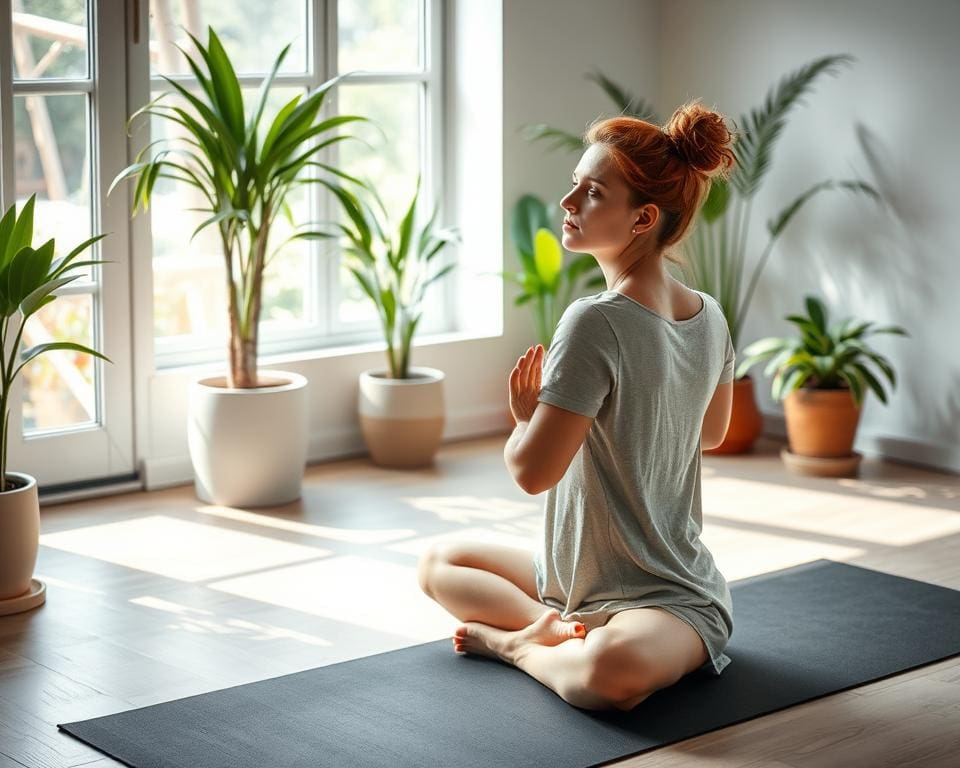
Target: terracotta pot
746 423
19 535
402 420
821 422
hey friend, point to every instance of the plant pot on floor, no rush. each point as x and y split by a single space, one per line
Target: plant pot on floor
746 422
402 420
821 427
249 445
19 543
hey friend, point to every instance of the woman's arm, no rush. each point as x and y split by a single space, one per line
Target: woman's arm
545 438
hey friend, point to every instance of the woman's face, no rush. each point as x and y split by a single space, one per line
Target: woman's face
599 216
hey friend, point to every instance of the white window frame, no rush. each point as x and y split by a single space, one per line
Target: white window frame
103 448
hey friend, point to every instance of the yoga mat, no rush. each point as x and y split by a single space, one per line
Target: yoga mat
799 633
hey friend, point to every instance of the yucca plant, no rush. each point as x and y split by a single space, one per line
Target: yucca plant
718 243
243 173
29 278
545 282
392 266
826 356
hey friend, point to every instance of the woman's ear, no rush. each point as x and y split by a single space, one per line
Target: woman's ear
647 218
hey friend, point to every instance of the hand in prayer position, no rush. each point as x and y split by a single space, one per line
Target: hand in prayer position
525 384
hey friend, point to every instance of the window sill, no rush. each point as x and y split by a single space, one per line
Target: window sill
336 351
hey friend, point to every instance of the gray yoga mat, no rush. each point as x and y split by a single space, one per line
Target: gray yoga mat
799 634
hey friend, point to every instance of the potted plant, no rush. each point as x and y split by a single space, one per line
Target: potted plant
718 242
546 284
401 408
247 431
29 278
822 377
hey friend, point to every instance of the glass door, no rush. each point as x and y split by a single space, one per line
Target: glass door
63 109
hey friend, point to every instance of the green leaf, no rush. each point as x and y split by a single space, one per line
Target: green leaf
547 256
406 226
31 303
225 84
718 199
22 233
871 380
33 352
895 329
817 312
852 377
66 262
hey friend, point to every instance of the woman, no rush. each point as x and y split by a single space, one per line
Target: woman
622 598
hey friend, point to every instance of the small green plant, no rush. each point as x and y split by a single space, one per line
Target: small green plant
392 270
28 279
244 173
544 281
826 356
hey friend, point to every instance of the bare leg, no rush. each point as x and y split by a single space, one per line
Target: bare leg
472 594
487 583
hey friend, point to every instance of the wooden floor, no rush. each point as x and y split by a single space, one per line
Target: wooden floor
157 596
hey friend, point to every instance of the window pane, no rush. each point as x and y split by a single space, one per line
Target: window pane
392 166
52 160
49 39
252 32
379 34
190 299
58 387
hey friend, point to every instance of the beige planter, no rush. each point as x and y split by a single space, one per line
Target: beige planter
402 420
249 446
19 542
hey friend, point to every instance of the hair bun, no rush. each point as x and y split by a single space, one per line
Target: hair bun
701 138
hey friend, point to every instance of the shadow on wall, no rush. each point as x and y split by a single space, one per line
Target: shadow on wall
893 244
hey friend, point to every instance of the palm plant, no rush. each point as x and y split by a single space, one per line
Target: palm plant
719 239
826 356
544 280
393 270
244 175
29 278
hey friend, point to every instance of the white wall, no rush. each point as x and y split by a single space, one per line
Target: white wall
891 119
511 63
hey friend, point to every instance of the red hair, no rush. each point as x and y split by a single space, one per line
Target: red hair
670 166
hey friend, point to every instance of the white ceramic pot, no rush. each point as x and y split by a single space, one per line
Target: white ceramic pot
249 446
402 420
19 535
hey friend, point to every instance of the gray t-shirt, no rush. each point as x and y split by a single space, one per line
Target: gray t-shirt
622 527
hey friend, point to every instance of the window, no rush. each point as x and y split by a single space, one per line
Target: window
52 90
62 98
391 50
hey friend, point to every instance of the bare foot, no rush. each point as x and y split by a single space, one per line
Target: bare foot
485 640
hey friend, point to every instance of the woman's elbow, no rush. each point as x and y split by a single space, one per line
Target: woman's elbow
533 483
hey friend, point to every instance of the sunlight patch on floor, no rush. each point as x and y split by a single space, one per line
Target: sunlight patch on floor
349 535
179 549
467 509
485 535
768 552
378 595
249 630
873 521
